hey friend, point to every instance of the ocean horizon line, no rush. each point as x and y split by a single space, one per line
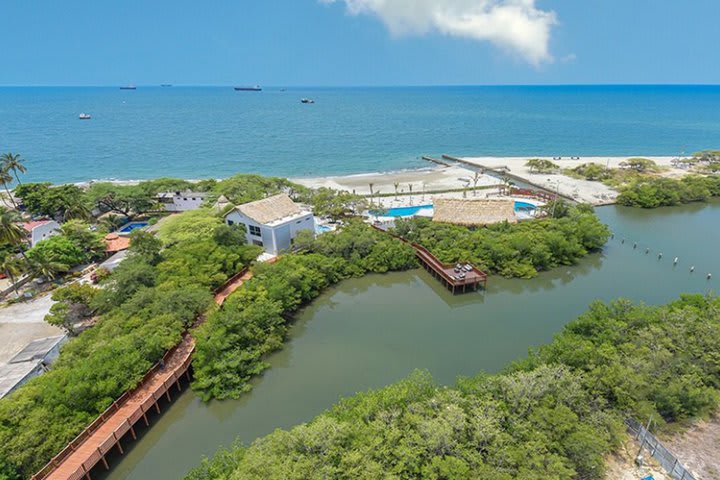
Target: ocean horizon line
388 86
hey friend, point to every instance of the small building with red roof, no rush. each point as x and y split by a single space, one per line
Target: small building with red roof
116 243
39 230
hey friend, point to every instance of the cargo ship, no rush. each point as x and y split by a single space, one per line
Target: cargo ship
128 87
256 88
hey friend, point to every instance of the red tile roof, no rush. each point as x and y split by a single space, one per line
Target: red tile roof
115 243
30 226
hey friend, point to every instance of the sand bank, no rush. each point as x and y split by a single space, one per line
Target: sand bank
586 191
428 179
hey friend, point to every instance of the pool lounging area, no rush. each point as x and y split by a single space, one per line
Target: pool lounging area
520 206
129 227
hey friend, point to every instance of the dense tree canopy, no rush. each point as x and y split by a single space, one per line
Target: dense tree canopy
75 245
144 307
232 342
553 416
74 304
519 250
193 224
56 202
336 205
662 192
243 188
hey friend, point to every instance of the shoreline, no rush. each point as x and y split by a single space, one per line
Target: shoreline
459 174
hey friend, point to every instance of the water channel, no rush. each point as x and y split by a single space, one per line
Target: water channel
371 331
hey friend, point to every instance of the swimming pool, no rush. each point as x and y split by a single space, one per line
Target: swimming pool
401 211
129 227
524 206
323 229
409 211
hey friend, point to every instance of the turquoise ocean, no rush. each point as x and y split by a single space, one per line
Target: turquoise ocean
204 132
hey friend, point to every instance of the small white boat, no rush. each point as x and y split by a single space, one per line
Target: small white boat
84 116
307 100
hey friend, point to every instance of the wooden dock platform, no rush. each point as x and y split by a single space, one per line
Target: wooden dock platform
444 272
79 457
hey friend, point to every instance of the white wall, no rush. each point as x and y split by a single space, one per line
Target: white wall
42 232
183 203
274 238
266 237
305 223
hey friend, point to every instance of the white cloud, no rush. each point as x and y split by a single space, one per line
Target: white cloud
515 25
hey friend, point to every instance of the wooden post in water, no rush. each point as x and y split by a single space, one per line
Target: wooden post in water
132 430
102 457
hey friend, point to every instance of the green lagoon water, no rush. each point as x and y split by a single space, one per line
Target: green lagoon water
369 332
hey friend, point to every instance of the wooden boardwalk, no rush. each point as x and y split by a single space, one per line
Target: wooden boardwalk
445 272
105 433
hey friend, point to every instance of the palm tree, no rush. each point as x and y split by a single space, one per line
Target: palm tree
475 180
76 209
44 266
10 231
11 267
5 179
13 162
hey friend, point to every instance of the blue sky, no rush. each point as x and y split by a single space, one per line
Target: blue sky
358 42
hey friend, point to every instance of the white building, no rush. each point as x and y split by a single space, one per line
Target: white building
272 222
39 230
181 201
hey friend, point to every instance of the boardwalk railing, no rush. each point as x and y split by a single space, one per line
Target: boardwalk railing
231 281
442 270
182 364
108 413
539 194
652 445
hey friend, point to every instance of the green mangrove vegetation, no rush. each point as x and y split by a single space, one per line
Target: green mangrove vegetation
232 342
665 192
142 308
554 415
641 186
519 250
541 165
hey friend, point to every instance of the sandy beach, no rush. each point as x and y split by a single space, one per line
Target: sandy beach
595 193
456 176
435 178
428 179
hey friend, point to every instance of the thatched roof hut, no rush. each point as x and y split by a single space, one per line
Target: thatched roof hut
472 212
270 209
222 203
